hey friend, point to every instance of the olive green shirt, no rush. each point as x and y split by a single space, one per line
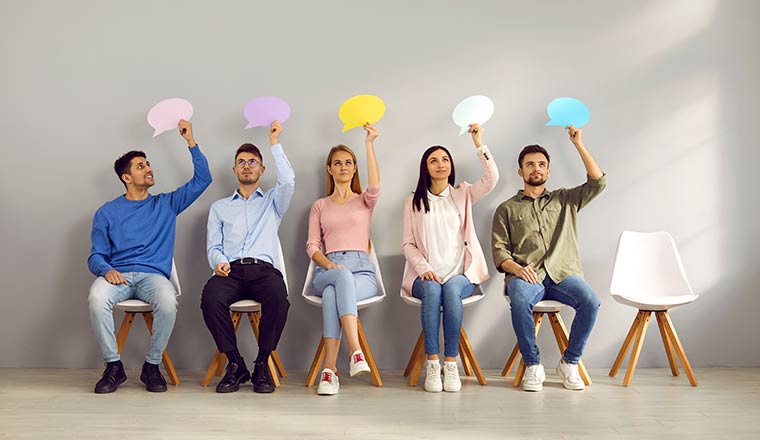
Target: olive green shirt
543 232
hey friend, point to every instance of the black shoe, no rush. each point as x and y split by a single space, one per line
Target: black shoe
236 374
262 382
152 378
113 376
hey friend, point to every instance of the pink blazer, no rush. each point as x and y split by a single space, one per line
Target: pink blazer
464 195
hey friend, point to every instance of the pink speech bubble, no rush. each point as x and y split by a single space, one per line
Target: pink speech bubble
166 114
262 111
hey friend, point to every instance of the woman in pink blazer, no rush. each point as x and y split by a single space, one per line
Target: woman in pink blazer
444 260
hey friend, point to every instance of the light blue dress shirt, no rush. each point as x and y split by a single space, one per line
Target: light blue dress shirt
239 227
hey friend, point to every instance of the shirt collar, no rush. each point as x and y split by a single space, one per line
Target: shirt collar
522 196
442 195
236 194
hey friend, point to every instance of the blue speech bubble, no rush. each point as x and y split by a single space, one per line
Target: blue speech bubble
567 111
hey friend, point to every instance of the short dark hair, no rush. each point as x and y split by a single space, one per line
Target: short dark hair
123 164
249 148
532 149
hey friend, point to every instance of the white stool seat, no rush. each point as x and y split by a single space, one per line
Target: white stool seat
655 303
133 306
472 299
544 306
245 306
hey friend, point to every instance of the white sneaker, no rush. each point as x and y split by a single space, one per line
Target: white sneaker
534 378
451 382
433 377
357 363
328 384
571 379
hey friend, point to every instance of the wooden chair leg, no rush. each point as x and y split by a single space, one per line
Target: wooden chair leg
373 370
419 346
661 323
640 334
126 324
211 371
673 336
319 356
222 359
168 364
470 354
414 374
626 343
537 318
465 360
511 360
275 364
561 335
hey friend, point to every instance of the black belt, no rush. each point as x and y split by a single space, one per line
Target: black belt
251 260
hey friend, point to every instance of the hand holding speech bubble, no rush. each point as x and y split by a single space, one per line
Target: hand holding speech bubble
166 114
359 110
568 111
476 109
262 111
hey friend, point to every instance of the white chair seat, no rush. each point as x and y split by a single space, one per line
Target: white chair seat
544 306
472 299
317 301
245 306
655 303
133 306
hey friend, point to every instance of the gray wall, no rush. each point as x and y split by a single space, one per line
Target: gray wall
671 86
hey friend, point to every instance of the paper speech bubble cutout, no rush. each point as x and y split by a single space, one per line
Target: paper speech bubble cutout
166 114
262 111
359 110
476 109
567 111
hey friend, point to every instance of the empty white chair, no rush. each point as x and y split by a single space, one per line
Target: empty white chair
308 295
133 306
649 275
466 353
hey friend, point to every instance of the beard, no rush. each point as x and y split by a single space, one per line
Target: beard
248 180
537 181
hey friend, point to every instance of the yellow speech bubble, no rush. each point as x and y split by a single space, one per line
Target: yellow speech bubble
359 110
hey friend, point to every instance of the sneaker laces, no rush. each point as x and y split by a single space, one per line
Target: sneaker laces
531 373
358 357
572 372
326 376
450 369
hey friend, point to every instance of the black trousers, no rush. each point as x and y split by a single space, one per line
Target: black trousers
260 282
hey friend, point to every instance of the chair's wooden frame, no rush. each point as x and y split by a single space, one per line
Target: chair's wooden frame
218 362
319 357
560 334
670 340
121 338
466 353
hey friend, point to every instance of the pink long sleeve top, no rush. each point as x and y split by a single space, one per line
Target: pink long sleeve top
341 227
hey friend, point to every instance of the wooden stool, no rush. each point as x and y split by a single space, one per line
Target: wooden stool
466 353
131 307
218 362
551 308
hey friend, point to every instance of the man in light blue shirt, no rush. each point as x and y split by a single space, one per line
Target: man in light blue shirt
243 250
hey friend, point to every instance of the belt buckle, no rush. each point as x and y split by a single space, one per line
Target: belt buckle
247 260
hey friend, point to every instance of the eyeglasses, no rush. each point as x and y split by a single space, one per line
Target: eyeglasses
251 163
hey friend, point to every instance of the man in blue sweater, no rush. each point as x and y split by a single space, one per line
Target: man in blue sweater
132 248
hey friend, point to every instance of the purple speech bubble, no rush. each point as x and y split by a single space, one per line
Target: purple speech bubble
262 111
166 114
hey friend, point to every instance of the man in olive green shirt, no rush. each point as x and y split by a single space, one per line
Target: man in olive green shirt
535 243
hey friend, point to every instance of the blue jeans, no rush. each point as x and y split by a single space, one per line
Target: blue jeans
447 297
342 288
573 291
152 288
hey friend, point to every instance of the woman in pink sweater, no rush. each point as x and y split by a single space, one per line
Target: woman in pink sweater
444 260
339 225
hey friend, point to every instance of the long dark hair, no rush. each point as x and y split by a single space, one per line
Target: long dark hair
423 183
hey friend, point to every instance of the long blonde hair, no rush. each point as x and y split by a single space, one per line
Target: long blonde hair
356 185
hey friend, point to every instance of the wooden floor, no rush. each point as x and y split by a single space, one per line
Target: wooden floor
59 404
